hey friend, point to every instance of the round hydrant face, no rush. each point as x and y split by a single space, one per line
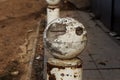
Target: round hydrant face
65 38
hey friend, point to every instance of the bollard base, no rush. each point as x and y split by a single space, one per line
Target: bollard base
64 69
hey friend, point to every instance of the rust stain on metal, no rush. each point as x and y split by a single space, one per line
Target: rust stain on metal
49 69
52 8
64 69
52 77
62 75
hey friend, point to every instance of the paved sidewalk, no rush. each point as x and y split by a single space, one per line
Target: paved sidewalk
102 55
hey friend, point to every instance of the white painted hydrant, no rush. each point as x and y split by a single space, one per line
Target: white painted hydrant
64 39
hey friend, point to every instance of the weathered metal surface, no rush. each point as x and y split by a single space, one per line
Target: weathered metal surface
52 10
52 2
52 13
65 38
64 69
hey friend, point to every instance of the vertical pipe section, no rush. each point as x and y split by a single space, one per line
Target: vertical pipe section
52 13
64 69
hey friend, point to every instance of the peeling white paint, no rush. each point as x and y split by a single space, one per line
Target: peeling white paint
52 14
52 10
69 44
67 72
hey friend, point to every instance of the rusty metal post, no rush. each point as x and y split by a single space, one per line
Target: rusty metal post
64 69
52 10
65 39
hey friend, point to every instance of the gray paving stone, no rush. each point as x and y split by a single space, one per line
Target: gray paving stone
91 75
111 74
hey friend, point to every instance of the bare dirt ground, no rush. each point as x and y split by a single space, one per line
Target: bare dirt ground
13 35
17 20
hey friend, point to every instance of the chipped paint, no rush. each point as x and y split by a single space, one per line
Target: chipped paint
64 69
65 38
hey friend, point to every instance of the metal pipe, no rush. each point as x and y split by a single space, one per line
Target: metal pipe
64 69
52 10
52 13
65 39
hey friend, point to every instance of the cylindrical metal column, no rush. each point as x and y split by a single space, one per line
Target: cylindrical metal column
52 13
64 69
65 39
52 10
